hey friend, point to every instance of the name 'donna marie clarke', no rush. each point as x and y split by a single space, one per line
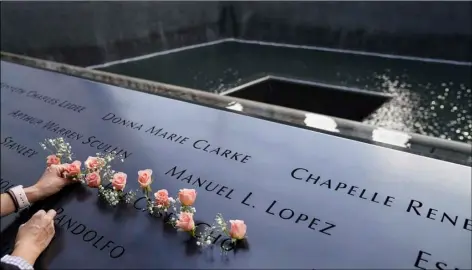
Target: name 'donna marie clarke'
414 206
200 144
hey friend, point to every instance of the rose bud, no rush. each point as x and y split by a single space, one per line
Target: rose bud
162 197
93 179
93 163
52 160
187 196
73 169
144 178
238 229
185 222
119 181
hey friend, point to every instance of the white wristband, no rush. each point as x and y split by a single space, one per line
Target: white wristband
20 197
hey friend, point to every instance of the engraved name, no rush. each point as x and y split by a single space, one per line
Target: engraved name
19 148
88 235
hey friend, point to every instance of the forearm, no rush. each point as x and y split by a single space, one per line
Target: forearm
7 205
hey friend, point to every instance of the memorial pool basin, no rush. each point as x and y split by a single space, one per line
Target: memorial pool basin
429 98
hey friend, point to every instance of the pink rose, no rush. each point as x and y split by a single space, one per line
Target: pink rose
119 180
93 179
73 169
144 178
238 229
187 196
162 197
93 163
53 160
185 222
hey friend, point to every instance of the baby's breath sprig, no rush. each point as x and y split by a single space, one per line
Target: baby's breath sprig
58 147
203 239
150 205
221 223
113 197
218 227
109 195
106 170
174 206
129 196
189 209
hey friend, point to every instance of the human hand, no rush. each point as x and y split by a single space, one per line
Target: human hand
51 182
34 236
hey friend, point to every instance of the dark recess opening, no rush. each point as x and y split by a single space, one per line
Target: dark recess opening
313 97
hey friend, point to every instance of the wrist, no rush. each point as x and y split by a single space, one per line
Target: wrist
32 193
27 254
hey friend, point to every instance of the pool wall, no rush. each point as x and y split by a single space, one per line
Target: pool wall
432 29
89 33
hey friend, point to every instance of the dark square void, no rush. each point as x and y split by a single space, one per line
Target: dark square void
313 97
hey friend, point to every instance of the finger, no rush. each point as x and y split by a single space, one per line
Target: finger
38 216
59 169
51 214
50 228
48 217
53 229
40 213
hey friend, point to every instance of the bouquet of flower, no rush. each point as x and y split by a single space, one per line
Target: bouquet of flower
99 174
96 174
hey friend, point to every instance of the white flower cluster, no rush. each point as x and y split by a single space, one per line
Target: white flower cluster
188 209
110 195
113 197
106 170
173 204
204 238
150 208
81 178
60 148
130 196
176 204
203 243
221 222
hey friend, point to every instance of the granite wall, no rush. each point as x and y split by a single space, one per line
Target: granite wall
87 33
